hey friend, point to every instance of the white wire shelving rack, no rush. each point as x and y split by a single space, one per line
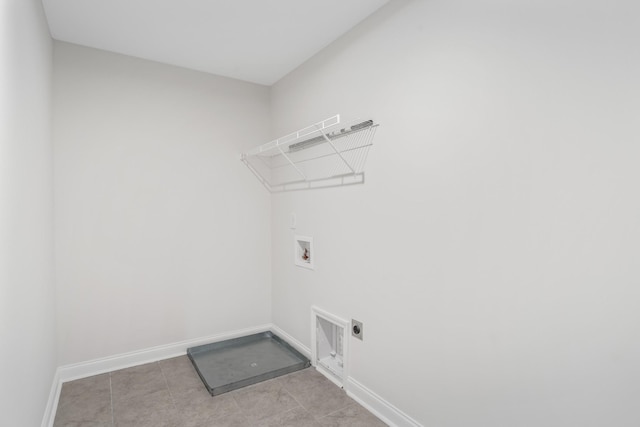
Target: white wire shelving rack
325 154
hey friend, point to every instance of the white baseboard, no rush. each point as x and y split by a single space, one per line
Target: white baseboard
291 340
126 360
52 403
358 392
148 355
378 406
367 398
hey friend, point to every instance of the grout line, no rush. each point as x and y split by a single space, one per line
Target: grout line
282 388
284 412
113 421
338 410
166 383
294 397
296 400
237 404
240 410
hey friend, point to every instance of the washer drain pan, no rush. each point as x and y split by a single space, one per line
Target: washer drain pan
228 365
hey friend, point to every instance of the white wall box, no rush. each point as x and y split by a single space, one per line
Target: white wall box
325 154
329 345
303 253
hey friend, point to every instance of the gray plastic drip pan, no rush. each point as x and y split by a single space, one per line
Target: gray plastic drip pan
239 362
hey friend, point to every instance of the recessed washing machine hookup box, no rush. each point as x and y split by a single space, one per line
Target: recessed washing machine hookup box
303 254
329 345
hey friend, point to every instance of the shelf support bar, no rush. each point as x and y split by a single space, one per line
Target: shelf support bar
338 153
292 164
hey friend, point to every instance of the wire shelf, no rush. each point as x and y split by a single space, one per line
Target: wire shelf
325 154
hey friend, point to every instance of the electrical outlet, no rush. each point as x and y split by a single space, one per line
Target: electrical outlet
356 329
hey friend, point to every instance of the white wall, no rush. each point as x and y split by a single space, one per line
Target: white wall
492 253
162 234
27 332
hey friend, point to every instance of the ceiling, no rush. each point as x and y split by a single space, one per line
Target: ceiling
259 41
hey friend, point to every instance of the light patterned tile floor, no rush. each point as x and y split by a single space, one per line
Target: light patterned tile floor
170 394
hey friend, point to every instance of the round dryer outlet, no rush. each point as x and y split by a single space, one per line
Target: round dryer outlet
356 329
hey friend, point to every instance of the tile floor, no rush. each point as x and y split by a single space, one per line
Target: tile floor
169 393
